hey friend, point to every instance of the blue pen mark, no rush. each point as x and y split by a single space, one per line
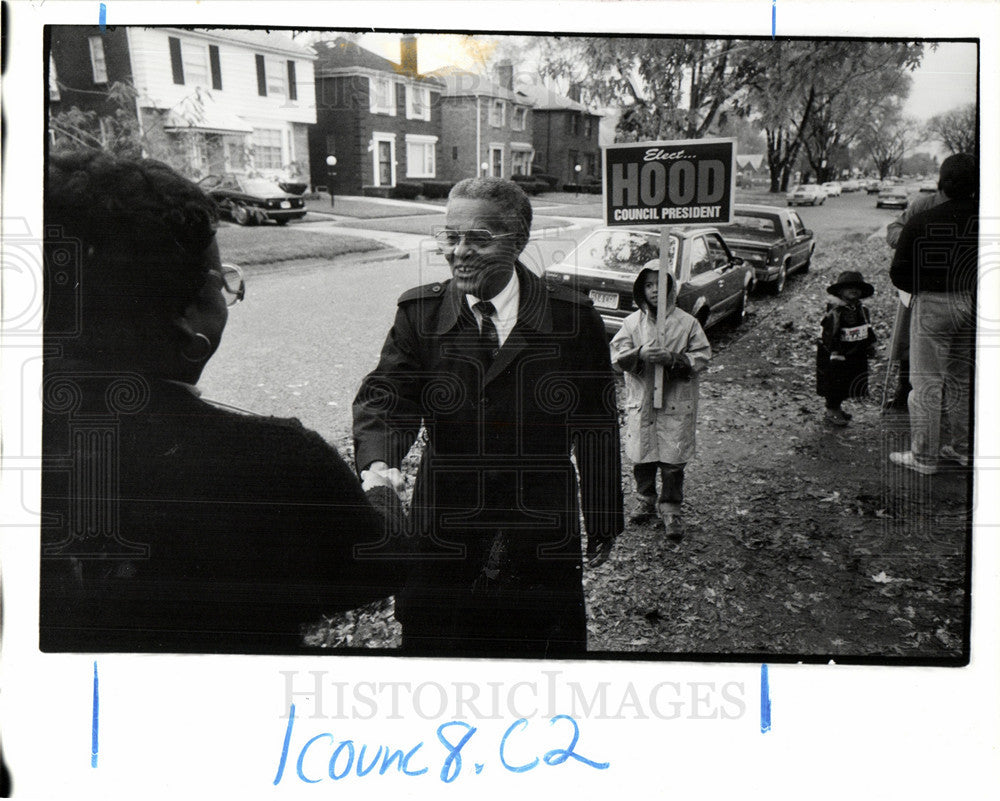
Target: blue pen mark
765 701
102 19
774 16
93 730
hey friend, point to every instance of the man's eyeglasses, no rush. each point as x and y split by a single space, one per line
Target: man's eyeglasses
448 238
233 284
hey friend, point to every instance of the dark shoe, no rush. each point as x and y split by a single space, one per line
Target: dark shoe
645 511
674 526
836 417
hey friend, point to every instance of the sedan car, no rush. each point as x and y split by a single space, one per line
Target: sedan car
893 196
928 186
832 188
812 194
714 283
248 201
873 186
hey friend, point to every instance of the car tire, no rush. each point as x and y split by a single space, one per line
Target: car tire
778 284
740 312
242 215
281 222
808 262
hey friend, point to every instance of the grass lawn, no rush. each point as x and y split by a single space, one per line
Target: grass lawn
424 224
270 243
368 209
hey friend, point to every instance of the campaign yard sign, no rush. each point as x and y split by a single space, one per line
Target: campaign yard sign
681 182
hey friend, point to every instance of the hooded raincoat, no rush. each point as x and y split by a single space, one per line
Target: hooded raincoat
667 434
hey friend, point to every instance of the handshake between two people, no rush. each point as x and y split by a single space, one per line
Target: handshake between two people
379 474
677 365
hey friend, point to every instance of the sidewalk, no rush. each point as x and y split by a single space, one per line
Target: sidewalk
414 245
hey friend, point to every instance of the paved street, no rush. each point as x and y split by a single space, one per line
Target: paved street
305 336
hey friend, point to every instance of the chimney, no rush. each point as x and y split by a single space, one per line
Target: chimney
505 74
408 54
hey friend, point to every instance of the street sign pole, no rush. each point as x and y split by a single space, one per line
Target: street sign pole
659 373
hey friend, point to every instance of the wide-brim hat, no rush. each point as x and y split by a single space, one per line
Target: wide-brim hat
851 278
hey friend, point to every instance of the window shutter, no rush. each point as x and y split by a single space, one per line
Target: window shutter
261 77
176 65
293 92
213 57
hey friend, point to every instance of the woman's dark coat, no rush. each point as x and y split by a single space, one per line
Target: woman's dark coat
169 524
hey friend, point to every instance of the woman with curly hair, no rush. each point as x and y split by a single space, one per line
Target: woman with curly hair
169 523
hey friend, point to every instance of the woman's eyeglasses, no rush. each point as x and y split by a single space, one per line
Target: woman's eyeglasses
233 284
448 238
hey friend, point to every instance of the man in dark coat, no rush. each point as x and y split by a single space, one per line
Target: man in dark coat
508 377
936 261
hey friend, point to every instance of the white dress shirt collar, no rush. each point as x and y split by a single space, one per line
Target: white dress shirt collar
506 303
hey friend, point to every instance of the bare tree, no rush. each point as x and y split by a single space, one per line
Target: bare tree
667 89
807 95
955 129
887 136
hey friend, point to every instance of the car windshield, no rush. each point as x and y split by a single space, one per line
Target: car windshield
765 225
257 186
623 251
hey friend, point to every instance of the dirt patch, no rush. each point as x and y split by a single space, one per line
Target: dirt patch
803 541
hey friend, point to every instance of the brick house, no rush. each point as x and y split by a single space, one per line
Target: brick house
208 101
484 122
565 135
379 119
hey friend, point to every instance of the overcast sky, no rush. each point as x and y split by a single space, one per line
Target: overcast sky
945 79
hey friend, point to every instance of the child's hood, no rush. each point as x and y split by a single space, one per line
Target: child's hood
639 293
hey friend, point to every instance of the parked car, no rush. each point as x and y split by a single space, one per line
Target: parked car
832 188
928 186
873 186
773 240
714 283
894 196
850 185
248 201
806 193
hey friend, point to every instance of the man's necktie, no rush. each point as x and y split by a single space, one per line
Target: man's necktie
488 333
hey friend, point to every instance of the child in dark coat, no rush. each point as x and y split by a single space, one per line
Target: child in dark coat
845 346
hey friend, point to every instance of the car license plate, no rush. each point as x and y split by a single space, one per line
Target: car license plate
285 204
604 300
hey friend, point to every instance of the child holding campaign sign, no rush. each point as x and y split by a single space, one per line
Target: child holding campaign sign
660 439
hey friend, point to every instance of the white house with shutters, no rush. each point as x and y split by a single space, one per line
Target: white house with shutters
236 101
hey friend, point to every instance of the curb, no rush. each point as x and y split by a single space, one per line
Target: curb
383 254
357 257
